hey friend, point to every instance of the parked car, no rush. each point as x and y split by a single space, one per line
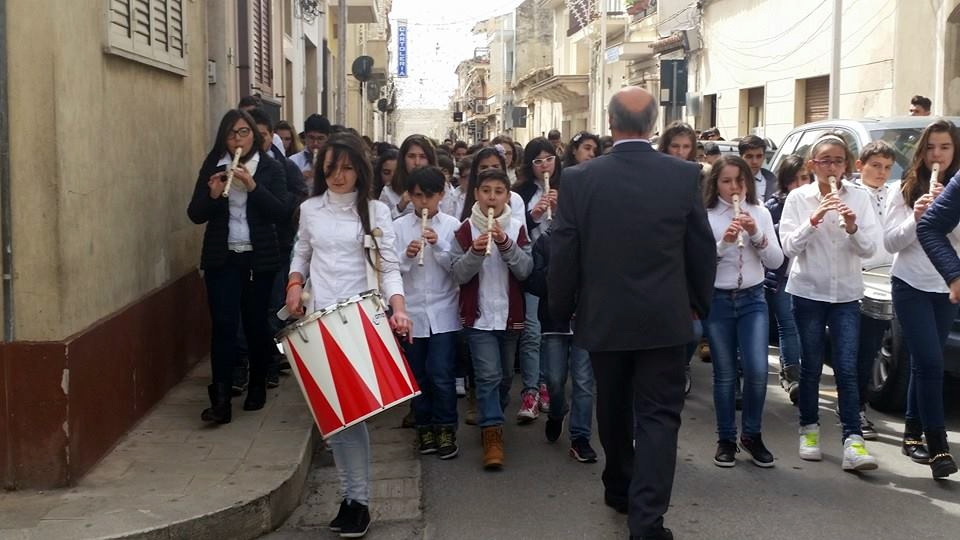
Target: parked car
891 369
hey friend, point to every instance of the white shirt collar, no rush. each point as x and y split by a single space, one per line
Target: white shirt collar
624 141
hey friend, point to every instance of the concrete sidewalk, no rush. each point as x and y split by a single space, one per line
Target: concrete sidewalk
172 477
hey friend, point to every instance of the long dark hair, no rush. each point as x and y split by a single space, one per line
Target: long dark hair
399 184
223 132
569 160
382 159
710 191
346 144
674 130
530 153
472 181
916 181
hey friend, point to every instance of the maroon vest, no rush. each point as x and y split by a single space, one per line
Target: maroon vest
470 291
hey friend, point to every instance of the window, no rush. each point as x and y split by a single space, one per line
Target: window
148 31
261 54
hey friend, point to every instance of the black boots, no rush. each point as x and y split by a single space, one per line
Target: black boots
219 410
942 464
257 388
913 446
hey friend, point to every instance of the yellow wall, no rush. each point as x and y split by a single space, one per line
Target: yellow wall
105 152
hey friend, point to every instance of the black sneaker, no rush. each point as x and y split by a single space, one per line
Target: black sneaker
239 385
357 522
866 427
342 516
754 446
447 443
581 450
726 455
273 379
426 440
553 429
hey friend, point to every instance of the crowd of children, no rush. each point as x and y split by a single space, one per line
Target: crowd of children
468 292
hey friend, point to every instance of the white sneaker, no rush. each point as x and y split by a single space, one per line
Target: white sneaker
855 455
810 443
461 386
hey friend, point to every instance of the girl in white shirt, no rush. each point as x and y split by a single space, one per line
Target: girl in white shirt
921 299
432 298
827 235
416 151
384 170
738 320
330 251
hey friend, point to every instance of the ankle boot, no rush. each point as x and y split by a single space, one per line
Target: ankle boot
219 411
492 438
912 445
942 464
257 389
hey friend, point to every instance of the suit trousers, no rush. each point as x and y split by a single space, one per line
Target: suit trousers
640 398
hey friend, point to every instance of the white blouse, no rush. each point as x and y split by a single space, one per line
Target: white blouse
826 261
910 262
879 197
759 251
391 199
431 295
329 249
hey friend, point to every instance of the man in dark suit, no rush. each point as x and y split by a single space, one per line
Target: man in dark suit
635 258
753 150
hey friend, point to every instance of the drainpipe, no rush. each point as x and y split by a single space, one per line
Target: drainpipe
6 214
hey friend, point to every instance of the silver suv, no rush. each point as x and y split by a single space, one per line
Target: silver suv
891 368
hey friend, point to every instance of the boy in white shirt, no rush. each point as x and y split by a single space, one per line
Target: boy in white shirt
827 233
432 297
875 165
491 298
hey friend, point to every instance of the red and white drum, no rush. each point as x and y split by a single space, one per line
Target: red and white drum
348 362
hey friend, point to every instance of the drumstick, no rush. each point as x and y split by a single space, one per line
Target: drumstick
236 162
423 231
489 230
546 185
934 174
833 189
736 214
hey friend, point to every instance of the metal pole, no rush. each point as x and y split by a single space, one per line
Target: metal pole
835 59
939 53
673 94
341 113
6 208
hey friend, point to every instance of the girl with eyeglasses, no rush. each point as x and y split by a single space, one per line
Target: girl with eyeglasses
240 255
827 234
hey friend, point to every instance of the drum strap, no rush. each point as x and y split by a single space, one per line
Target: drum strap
373 272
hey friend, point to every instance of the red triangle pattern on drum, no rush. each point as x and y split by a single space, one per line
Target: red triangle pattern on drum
327 419
356 399
393 387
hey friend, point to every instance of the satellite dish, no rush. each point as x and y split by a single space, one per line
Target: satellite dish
373 91
362 68
382 104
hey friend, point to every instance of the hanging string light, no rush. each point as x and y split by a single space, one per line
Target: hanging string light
308 10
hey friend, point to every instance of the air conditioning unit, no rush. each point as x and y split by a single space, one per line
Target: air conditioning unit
481 108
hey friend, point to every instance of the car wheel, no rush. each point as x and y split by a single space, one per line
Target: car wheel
887 390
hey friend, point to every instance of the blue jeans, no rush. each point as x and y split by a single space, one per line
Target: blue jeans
530 368
781 302
561 357
351 455
434 363
871 337
844 320
493 354
738 322
925 319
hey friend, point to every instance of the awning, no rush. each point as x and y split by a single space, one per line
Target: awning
571 91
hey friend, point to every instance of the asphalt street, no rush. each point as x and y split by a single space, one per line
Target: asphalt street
543 493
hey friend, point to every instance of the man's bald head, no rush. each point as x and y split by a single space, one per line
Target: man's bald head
633 113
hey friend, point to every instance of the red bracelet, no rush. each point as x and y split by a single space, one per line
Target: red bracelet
292 283
813 223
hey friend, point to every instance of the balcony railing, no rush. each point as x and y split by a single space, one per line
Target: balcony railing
582 14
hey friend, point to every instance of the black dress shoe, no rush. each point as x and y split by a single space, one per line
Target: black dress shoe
617 502
256 397
663 534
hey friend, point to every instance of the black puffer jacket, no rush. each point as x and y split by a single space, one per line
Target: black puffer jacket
775 278
265 208
536 285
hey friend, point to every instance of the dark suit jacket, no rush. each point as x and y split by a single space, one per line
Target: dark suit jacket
771 186
631 251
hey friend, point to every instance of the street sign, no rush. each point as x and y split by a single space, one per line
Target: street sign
402 48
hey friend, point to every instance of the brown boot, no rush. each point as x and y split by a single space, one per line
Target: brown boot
492 447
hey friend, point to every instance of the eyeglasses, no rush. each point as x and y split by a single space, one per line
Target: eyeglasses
829 162
315 138
242 132
544 161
